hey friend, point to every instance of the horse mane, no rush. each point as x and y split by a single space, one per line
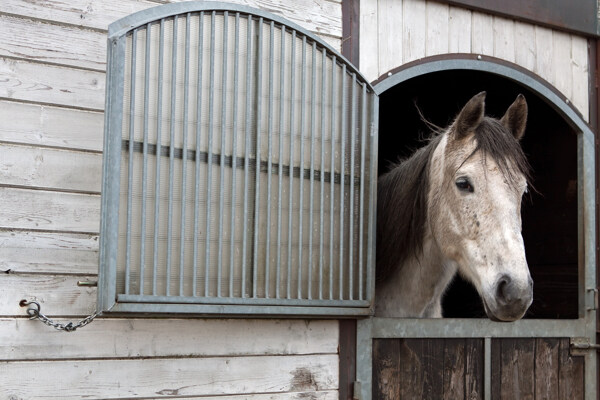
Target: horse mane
402 192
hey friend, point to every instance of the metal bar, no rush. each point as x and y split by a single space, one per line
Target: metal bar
351 206
269 160
222 166
332 166
130 162
234 151
199 97
210 154
372 197
145 159
487 368
363 187
171 152
291 186
247 147
258 151
230 301
161 47
313 111
302 119
322 203
280 169
342 167
184 158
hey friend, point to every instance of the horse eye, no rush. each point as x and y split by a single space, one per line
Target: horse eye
464 185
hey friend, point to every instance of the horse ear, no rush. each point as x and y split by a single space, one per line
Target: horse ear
515 118
470 116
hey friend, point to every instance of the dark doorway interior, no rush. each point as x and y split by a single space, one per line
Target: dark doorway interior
549 214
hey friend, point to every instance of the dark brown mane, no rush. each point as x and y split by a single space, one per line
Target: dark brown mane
402 193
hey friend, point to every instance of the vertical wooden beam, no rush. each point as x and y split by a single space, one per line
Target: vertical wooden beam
347 349
351 31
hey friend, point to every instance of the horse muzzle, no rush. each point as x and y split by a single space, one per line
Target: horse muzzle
511 300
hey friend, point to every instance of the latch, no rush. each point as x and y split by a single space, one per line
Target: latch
579 345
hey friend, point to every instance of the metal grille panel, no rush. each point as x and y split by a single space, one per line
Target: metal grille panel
246 152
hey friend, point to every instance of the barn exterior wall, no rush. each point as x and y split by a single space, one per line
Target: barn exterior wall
396 32
52 93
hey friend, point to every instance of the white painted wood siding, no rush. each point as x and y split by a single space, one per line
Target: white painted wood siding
52 74
395 32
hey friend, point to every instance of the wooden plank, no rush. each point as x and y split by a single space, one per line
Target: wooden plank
482 39
414 30
571 383
134 337
459 30
347 354
369 41
49 253
387 380
504 39
321 16
45 126
421 361
436 41
168 377
389 34
49 211
580 71
525 51
546 368
453 368
516 369
561 63
50 168
57 294
544 47
321 395
33 82
474 369
51 43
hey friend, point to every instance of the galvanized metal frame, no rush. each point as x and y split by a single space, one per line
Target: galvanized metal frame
585 325
326 304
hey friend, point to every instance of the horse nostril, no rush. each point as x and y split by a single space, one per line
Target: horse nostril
503 290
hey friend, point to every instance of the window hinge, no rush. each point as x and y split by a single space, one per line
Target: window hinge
357 395
581 344
592 299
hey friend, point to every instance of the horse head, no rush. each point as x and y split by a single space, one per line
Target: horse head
478 176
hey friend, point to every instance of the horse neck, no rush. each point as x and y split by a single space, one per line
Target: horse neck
415 286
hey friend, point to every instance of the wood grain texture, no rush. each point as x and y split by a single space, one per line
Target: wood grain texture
51 43
525 50
427 369
321 16
459 30
47 84
57 294
414 32
389 34
45 126
168 377
48 253
135 338
49 211
369 39
536 368
50 168
436 38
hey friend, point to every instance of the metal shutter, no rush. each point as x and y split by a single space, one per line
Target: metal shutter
239 168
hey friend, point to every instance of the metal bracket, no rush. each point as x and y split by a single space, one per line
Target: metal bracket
357 391
592 299
581 345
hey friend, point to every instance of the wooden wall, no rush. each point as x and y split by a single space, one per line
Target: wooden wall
395 32
52 74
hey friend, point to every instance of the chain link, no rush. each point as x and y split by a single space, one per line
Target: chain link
33 310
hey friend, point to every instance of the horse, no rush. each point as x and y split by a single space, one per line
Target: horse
454 207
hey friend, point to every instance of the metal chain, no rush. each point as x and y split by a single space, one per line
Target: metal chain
34 313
